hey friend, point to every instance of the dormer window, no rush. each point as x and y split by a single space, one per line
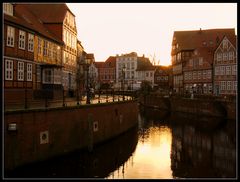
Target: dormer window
225 43
8 9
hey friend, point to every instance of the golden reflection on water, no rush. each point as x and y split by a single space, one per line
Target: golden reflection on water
151 159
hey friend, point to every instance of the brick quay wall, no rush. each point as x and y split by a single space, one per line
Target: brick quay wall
36 135
202 107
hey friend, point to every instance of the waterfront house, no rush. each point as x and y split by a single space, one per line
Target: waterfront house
162 77
60 21
192 56
225 67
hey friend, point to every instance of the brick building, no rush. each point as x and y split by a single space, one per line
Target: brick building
162 78
225 67
107 71
60 21
192 59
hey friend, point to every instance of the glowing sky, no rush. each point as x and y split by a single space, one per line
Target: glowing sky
107 29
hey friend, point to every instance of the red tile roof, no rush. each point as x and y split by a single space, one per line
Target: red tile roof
111 61
190 40
25 18
49 12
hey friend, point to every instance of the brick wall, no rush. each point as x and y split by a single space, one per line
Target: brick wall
42 134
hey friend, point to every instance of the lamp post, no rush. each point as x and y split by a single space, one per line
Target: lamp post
123 78
87 62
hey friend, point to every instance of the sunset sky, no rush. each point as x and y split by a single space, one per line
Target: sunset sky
107 29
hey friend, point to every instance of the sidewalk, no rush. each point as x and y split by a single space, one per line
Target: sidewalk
59 103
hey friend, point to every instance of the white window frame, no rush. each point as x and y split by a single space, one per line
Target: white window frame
45 48
231 55
194 75
29 72
30 42
22 36
209 72
228 70
225 44
20 71
222 70
229 85
234 69
8 69
199 75
8 8
39 46
190 75
225 56
219 56
10 36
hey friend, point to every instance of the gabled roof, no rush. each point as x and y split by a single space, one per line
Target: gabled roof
190 40
110 62
144 64
50 12
24 17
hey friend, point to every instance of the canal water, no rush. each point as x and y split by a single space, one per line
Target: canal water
162 146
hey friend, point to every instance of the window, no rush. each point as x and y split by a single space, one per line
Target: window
45 46
30 42
185 76
10 36
225 56
231 55
209 88
234 70
20 71
8 70
151 74
8 8
190 75
147 74
229 85
29 72
39 46
199 75
47 76
194 75
209 72
21 39
190 62
235 85
38 73
204 74
219 56
228 70
223 85
222 70
49 50
225 44
200 61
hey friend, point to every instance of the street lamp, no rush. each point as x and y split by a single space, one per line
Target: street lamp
123 78
87 63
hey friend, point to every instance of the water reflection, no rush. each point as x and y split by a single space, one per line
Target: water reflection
200 153
151 159
162 146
